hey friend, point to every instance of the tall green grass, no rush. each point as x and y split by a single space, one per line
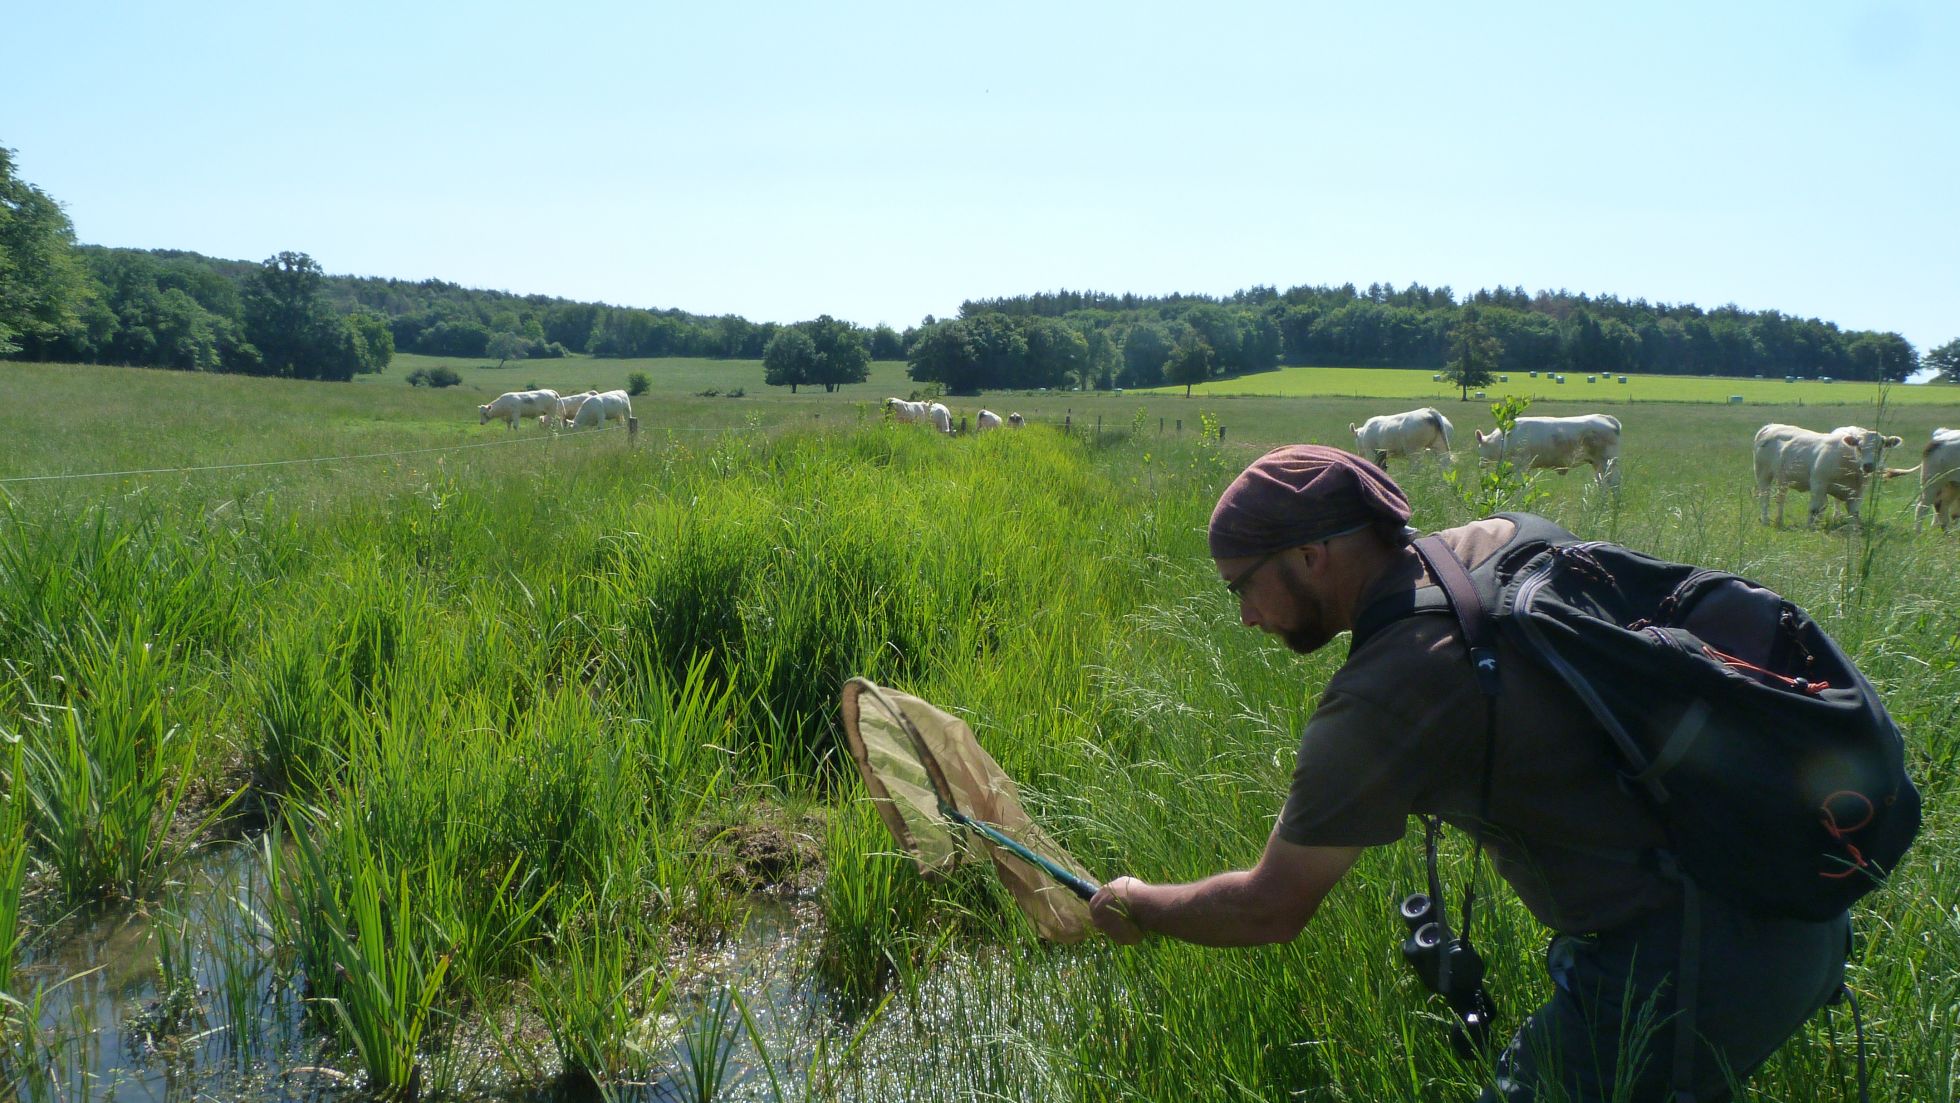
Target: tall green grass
495 707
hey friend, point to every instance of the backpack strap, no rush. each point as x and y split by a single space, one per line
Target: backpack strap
1533 533
1480 636
1453 579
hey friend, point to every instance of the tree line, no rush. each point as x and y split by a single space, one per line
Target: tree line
1162 340
284 316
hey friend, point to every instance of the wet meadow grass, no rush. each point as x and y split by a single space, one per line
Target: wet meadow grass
493 720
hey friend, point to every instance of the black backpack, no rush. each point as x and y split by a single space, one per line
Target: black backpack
1771 762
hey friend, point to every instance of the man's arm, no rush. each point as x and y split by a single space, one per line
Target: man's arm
1271 902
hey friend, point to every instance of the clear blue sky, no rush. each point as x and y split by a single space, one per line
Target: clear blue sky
881 162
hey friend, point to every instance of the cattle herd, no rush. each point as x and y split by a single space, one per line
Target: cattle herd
940 418
590 410
1837 464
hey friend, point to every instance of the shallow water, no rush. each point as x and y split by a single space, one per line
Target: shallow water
113 1030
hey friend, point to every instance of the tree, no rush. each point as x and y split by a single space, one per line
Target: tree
1473 355
1146 349
505 345
1945 360
1190 362
790 360
945 353
886 344
1104 360
1056 356
288 319
374 340
841 353
43 285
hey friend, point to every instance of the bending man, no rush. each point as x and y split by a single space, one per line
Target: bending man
1309 537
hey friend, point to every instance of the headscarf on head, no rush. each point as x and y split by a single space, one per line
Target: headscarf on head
1301 494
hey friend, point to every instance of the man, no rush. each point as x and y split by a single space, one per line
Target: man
1308 537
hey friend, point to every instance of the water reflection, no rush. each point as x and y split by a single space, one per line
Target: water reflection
189 1001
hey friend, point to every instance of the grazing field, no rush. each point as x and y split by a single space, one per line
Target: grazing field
1423 386
478 763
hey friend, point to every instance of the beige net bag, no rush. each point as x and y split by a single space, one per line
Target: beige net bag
946 801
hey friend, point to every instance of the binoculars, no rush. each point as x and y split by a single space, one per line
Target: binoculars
1451 968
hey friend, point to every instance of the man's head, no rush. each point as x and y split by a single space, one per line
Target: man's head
1299 533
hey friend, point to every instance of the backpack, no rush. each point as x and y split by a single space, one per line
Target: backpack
1774 768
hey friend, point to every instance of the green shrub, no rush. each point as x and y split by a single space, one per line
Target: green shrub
638 384
442 375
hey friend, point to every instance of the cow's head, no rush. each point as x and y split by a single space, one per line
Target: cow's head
1490 446
1870 446
483 415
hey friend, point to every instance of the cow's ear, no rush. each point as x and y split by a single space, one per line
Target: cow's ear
1351 428
1851 440
1894 442
1480 435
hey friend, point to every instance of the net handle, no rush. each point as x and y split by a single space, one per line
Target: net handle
941 791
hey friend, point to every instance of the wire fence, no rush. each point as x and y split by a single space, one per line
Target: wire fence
545 438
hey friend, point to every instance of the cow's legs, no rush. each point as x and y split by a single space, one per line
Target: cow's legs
1818 499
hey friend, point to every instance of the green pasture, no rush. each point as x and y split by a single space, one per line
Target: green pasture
1401 383
524 734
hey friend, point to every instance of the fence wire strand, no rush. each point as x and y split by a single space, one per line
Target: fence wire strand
345 459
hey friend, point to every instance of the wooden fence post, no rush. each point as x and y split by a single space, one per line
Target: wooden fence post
632 430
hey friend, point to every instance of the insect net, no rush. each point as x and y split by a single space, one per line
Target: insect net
901 782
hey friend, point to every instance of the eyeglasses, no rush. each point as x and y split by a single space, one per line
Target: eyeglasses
1237 585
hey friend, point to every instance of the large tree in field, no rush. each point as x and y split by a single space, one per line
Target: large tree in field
1190 362
43 285
1473 355
843 355
288 319
790 359
1945 360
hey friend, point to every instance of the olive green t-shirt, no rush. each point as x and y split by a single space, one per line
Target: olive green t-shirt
1400 731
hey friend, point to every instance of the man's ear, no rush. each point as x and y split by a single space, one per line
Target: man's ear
1313 555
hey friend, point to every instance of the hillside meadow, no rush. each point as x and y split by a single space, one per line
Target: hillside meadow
434 760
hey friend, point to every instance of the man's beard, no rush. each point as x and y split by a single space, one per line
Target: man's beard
1312 632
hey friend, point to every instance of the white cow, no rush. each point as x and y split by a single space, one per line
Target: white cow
906 412
1402 434
512 405
1561 443
569 404
1016 421
1939 479
1836 464
601 408
940 416
987 420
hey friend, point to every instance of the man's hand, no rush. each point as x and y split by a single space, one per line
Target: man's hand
1111 912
